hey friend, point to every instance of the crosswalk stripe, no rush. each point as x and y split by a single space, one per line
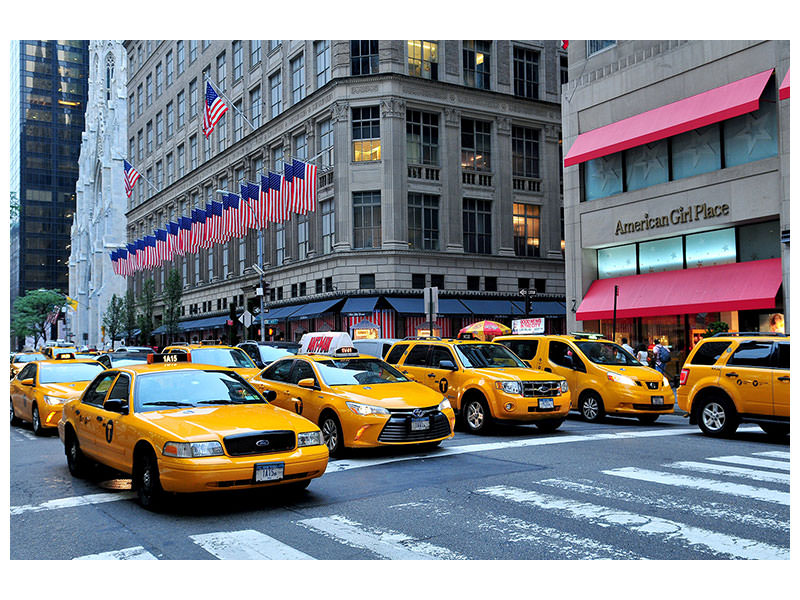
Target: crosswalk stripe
247 544
730 470
717 543
135 553
774 454
73 501
698 483
25 434
753 462
388 544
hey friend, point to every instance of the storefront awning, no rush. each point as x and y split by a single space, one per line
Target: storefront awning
709 107
206 323
541 308
282 312
737 286
783 91
490 307
314 309
415 306
362 304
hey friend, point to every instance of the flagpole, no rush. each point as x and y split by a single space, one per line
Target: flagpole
231 104
141 175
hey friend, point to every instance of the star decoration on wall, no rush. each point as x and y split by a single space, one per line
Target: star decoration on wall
753 131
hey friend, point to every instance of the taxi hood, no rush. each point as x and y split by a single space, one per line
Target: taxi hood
510 373
248 374
407 394
66 390
641 373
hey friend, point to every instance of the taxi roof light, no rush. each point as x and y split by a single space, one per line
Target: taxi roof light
167 358
64 356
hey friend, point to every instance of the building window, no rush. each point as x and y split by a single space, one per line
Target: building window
476 144
159 80
526 73
255 52
752 136
193 107
272 44
277 159
298 70
563 64
417 281
646 165
473 283
170 168
366 281
255 106
131 109
181 108
301 146
222 72
477 63
328 225
193 151
148 86
139 100
302 288
242 254
159 174
181 160
595 46
422 137
275 95
526 229
280 243
159 129
603 176
366 134
238 121
222 130
423 59
329 284
490 284
437 281
524 151
238 60
170 120
322 52
302 238
326 143
366 219
477 221
149 136
363 57
423 221
140 141
180 52
318 286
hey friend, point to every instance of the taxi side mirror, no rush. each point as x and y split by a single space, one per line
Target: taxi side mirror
117 406
447 364
270 395
28 382
307 383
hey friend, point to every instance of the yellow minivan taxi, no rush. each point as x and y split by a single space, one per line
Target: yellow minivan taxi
604 378
213 353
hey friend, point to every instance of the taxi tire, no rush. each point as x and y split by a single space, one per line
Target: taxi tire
591 407
476 415
647 419
36 420
14 418
77 462
146 480
717 417
329 423
549 425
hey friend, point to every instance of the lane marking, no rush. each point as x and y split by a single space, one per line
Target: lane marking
753 462
774 454
730 470
698 483
72 502
388 544
25 434
717 543
135 553
247 544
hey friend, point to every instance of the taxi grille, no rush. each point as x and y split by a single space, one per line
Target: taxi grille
532 389
398 427
243 444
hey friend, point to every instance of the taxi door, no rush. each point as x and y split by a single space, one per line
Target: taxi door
117 435
276 377
90 417
562 359
747 377
780 381
20 394
304 401
445 381
415 365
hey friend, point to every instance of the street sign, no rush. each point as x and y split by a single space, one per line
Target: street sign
430 299
246 318
271 321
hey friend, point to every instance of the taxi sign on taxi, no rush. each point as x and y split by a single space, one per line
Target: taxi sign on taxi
328 342
167 358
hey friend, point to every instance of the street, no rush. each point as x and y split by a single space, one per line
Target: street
617 490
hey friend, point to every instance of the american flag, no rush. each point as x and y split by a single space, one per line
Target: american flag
227 216
131 176
184 235
262 206
172 240
114 263
276 210
122 261
215 108
131 258
287 189
140 250
305 186
161 246
208 227
150 251
217 230
248 207
198 226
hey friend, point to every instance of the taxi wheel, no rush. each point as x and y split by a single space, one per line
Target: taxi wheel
592 408
477 417
332 434
717 417
36 421
146 480
549 424
647 419
14 419
76 461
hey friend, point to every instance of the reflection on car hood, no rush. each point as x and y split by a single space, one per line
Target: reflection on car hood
642 373
407 394
65 390
514 373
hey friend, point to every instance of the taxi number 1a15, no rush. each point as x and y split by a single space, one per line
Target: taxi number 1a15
268 472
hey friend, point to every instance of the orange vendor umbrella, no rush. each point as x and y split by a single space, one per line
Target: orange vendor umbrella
484 330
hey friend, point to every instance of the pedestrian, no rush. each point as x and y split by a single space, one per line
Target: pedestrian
625 345
660 353
641 355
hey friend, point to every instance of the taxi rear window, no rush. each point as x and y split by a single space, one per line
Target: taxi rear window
23 358
191 388
68 373
707 353
396 353
223 357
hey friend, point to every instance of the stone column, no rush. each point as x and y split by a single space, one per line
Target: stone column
394 213
452 204
342 157
502 225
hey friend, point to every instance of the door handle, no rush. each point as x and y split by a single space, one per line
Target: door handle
404 372
732 374
99 418
783 378
431 374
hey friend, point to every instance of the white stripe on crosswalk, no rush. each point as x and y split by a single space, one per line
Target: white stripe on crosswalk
774 454
72 502
135 553
731 470
698 483
25 434
388 544
753 462
717 543
247 545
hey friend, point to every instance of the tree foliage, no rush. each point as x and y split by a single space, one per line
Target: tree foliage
128 315
716 327
173 292
29 315
145 317
113 318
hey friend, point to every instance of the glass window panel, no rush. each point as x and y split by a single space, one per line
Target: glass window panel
752 136
646 165
661 255
603 176
616 262
760 241
696 152
711 248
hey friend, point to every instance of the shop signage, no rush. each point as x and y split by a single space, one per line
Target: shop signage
677 216
527 326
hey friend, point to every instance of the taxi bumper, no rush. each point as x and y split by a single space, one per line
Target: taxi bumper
633 400
50 414
509 407
396 430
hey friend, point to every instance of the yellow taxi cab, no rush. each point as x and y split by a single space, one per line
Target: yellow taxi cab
212 352
484 382
733 378
41 388
604 377
175 426
20 359
52 352
359 401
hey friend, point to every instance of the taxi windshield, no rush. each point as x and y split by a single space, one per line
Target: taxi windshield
23 358
607 353
191 388
477 356
69 372
223 357
358 371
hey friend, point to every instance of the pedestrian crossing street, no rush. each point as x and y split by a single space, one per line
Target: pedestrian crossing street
555 519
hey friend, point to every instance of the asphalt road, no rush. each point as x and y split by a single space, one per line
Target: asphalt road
617 490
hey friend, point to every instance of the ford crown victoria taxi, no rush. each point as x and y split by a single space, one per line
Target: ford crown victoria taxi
220 355
175 426
20 359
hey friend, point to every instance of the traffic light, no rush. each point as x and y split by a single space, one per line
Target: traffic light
527 304
270 331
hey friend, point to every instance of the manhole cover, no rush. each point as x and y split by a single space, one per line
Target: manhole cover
116 484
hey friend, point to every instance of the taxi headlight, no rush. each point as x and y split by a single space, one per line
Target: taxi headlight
564 387
665 382
53 400
192 450
623 379
366 409
310 438
445 403
509 387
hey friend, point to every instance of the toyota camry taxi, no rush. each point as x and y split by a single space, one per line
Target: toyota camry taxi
41 388
358 401
177 426
211 352
20 359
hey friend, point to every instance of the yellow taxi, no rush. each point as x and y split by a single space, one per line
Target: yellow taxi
41 388
484 382
359 401
52 352
20 359
175 426
212 352
604 377
731 378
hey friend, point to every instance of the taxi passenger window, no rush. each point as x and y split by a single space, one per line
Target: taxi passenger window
525 349
396 353
302 370
279 371
561 354
417 356
708 352
97 390
438 354
121 389
28 371
783 355
751 354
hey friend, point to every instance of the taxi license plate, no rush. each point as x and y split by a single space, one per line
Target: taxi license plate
545 403
420 424
657 400
268 472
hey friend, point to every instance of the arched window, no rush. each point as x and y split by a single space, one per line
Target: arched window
109 74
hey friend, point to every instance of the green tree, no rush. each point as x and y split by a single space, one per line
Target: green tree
716 327
173 292
113 318
29 315
145 317
129 316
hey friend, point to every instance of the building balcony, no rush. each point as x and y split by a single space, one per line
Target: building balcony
423 172
527 184
478 178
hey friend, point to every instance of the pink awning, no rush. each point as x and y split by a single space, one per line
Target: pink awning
737 286
783 91
709 107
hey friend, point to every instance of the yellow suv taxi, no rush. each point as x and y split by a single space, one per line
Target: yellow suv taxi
604 377
730 378
484 382
212 352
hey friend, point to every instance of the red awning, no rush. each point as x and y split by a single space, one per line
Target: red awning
737 286
709 107
783 91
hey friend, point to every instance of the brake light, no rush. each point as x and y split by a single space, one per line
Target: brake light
684 376
149 359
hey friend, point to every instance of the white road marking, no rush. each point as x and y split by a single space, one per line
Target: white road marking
247 545
388 544
717 543
774 454
698 483
72 502
730 470
26 434
135 553
753 462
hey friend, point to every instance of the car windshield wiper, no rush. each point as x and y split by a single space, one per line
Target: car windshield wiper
167 403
